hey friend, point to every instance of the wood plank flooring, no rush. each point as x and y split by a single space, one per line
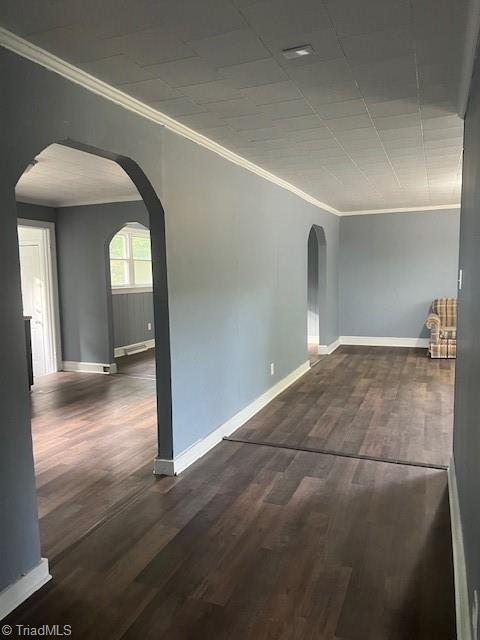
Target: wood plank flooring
251 542
138 365
375 401
90 434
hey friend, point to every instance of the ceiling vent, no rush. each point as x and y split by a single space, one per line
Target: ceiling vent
298 52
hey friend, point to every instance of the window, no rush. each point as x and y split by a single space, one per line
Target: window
131 259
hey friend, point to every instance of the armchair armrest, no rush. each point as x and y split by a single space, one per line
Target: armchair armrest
433 323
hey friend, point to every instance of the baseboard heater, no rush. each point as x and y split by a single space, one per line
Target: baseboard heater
137 348
130 349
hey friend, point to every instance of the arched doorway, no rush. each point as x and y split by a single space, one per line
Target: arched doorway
156 224
316 290
104 429
129 266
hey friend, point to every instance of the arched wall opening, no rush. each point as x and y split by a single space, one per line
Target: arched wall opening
316 290
130 308
154 220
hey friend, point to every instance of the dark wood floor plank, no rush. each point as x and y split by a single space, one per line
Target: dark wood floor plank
251 542
137 365
376 401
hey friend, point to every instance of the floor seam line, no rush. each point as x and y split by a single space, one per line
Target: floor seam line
339 454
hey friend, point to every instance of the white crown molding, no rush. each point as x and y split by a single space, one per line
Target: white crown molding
83 203
369 212
28 50
78 203
202 446
78 76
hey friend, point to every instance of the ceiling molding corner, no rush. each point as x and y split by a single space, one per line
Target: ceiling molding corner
72 73
369 212
26 49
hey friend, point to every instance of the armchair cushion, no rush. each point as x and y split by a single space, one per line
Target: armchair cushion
442 323
449 333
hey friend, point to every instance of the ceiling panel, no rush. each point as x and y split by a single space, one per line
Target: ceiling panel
66 177
116 70
286 17
234 47
274 92
368 121
150 46
253 74
180 73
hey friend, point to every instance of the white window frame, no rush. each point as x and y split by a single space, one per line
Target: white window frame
130 287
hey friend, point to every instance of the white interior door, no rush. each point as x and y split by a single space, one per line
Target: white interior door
35 274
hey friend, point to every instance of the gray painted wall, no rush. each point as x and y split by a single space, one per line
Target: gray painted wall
83 235
131 314
466 437
237 277
237 272
36 212
391 268
19 534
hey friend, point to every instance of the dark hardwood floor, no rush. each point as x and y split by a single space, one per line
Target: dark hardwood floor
138 365
252 542
375 401
90 435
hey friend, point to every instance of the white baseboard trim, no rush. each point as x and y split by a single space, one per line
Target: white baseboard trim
368 341
137 347
384 341
462 605
89 367
24 587
201 447
327 349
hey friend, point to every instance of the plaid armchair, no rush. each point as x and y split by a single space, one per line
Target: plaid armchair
442 323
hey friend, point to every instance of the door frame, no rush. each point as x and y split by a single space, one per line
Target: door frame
51 286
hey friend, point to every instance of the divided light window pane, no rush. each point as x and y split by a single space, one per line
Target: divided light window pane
131 259
119 272
141 248
142 272
118 247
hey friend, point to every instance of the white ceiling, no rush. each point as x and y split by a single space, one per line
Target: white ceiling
65 177
368 122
